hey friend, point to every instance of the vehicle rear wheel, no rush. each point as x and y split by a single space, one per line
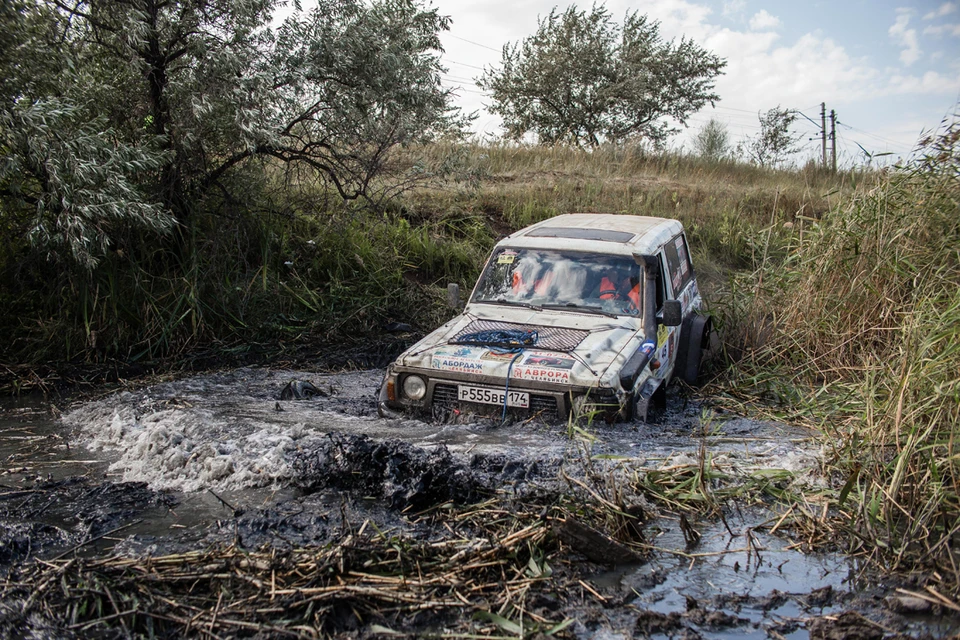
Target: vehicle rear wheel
695 338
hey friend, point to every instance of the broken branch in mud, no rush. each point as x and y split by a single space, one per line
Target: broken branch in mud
593 544
375 577
96 538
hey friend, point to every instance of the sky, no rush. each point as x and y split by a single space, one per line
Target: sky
889 69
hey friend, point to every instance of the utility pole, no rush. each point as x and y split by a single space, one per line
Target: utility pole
833 137
823 132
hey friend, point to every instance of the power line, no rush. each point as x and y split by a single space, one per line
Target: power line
872 135
474 43
447 76
459 87
463 64
753 113
815 123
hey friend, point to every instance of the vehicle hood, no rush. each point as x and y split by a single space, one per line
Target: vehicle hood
571 348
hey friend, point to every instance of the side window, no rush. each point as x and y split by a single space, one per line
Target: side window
678 263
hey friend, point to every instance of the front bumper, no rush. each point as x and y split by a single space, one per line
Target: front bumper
550 401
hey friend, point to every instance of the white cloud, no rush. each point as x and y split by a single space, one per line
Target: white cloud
906 38
943 10
763 21
943 30
930 83
734 8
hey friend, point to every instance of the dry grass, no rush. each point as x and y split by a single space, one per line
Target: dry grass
858 333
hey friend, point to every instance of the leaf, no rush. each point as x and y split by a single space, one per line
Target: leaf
500 621
849 485
560 627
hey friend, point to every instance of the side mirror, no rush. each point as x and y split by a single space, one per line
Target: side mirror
672 313
453 295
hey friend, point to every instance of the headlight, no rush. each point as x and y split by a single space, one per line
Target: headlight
414 387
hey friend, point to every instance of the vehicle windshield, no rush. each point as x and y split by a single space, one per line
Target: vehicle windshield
571 280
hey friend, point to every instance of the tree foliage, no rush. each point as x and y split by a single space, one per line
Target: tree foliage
68 178
142 111
712 142
775 141
582 78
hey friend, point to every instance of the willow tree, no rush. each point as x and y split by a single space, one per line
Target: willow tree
583 79
138 110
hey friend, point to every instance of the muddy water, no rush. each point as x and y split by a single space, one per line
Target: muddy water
229 431
199 460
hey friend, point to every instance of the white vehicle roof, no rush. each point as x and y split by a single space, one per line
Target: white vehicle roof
597 232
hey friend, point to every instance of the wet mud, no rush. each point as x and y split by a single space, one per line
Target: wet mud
252 478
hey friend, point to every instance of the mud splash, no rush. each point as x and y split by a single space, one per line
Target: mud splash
231 431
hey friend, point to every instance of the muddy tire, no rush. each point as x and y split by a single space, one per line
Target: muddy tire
695 336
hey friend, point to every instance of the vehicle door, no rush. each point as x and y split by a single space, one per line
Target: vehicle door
676 274
678 284
667 337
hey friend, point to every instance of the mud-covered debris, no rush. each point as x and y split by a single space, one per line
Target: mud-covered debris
55 515
593 544
822 597
401 474
774 600
16 623
908 604
301 390
507 469
847 626
365 576
20 540
313 520
714 619
652 622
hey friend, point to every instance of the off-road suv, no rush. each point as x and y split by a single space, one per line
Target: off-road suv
578 313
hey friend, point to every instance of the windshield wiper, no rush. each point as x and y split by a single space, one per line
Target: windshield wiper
511 303
570 306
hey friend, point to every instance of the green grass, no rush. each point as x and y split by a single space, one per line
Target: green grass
290 265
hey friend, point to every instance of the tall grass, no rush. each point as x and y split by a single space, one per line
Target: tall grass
281 265
260 280
859 330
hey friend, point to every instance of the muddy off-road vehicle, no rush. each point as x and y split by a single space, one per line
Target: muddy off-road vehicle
580 313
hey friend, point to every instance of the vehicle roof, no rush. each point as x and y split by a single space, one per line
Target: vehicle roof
597 232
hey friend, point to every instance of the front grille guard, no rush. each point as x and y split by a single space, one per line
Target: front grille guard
548 338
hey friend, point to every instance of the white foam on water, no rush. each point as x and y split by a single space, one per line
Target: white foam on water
218 432
193 449
223 431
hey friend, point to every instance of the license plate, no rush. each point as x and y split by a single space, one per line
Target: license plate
493 396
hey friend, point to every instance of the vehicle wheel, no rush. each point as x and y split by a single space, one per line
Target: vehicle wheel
709 351
694 339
